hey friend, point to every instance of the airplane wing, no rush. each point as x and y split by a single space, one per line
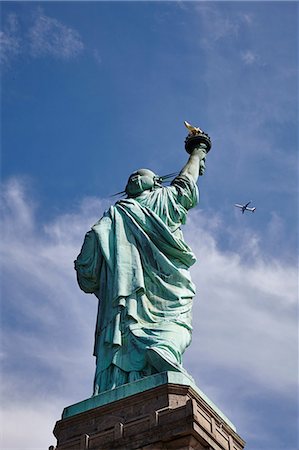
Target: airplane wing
247 204
238 206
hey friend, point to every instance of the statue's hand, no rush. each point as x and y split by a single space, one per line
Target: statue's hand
200 152
196 163
202 167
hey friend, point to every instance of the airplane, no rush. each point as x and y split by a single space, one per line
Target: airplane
245 207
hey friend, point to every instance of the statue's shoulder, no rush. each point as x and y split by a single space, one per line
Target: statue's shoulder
183 180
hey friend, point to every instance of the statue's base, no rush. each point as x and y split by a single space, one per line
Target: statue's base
164 411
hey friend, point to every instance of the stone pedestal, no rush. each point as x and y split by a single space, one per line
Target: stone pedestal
169 415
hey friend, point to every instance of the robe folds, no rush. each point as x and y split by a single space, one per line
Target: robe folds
135 260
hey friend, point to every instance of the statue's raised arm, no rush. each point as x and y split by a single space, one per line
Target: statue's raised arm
197 144
136 262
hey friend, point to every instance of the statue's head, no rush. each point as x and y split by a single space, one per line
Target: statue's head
140 181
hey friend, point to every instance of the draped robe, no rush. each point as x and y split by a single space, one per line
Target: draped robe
136 262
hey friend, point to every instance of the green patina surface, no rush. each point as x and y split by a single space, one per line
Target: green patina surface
136 387
136 262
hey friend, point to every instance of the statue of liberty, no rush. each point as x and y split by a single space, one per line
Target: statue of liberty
136 262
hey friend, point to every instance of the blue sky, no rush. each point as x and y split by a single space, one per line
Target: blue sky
92 91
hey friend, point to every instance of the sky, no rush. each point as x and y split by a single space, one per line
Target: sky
92 91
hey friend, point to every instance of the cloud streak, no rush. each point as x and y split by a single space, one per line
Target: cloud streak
220 26
49 37
44 37
10 43
248 57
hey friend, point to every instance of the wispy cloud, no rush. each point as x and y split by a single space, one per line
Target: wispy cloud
49 37
97 56
247 315
42 257
219 25
248 18
248 57
44 36
244 315
251 100
10 43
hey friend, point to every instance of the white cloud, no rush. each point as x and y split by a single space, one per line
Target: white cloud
252 101
218 26
10 44
248 57
49 37
248 18
42 413
97 56
46 36
245 312
48 322
244 317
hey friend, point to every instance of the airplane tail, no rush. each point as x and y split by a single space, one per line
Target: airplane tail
253 209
